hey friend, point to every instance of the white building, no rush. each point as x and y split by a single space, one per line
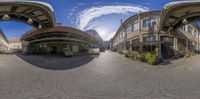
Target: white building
15 44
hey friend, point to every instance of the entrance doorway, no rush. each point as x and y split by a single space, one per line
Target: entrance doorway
54 50
167 50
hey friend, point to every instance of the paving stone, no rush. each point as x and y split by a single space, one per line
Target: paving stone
108 76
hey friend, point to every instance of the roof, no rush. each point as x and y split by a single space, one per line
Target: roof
58 29
14 40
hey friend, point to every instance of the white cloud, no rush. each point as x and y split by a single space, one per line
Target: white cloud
87 16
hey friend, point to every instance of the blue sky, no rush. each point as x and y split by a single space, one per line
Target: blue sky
75 13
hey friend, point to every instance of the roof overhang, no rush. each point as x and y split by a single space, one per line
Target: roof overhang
66 32
179 13
35 13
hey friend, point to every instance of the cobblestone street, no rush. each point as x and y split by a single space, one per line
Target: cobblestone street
108 76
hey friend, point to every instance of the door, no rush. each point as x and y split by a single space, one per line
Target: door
167 50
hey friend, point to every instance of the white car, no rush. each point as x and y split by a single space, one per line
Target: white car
94 51
68 52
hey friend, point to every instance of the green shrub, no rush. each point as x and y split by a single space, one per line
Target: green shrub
147 55
150 58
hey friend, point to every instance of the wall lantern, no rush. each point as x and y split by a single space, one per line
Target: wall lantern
30 21
6 17
184 21
40 26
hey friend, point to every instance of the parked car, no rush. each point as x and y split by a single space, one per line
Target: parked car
68 52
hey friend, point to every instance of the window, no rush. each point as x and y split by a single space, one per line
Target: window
124 34
196 34
190 30
146 23
149 22
129 29
183 28
135 26
153 22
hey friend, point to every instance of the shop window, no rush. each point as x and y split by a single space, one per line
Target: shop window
135 46
166 39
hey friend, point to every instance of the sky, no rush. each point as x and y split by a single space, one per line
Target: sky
104 16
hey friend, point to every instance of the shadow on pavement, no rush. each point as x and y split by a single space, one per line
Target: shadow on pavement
55 62
165 62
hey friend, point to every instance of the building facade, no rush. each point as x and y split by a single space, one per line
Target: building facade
142 33
56 40
96 35
15 44
3 42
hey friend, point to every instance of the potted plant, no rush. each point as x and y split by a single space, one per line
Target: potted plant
134 55
150 58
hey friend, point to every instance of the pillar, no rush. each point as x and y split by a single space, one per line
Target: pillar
130 47
187 46
175 43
